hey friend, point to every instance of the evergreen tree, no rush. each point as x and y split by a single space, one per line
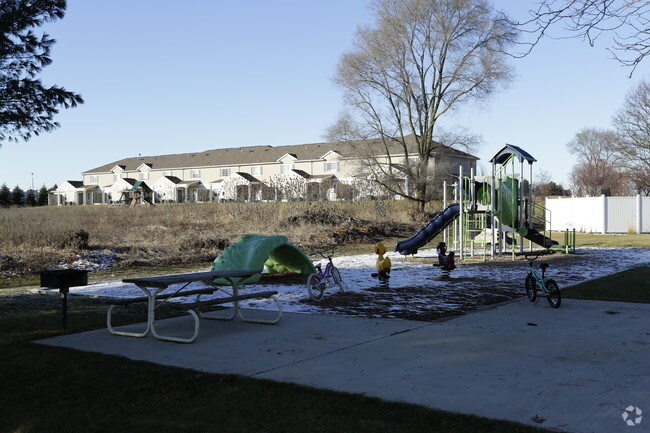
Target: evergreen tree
5 196
17 196
42 196
30 198
26 106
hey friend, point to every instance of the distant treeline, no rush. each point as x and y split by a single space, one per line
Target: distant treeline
19 197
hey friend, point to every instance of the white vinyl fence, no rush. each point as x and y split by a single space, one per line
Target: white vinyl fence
599 214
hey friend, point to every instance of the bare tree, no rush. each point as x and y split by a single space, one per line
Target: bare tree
627 21
545 187
632 123
232 190
420 60
598 167
289 187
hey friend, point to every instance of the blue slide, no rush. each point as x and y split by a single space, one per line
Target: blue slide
429 231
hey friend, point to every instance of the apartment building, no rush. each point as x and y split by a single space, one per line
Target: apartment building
326 171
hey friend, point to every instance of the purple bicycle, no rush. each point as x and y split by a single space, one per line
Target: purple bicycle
321 280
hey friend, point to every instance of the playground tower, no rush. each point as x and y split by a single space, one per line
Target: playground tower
488 214
498 212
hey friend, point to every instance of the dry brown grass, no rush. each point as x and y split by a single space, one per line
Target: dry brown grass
34 239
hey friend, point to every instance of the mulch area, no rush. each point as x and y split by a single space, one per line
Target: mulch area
458 296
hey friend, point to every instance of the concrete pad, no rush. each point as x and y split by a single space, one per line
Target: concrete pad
237 347
575 368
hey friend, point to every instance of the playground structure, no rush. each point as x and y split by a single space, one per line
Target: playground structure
139 193
491 214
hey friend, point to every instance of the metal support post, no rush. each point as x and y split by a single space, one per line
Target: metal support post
445 232
461 216
492 210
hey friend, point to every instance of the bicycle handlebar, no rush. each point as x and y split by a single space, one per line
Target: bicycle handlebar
321 254
534 255
328 257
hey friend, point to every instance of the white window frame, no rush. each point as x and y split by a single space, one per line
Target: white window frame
224 172
331 166
168 173
256 170
285 168
195 173
116 177
94 179
143 176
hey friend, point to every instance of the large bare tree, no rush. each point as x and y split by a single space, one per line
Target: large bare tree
418 61
626 21
598 166
633 125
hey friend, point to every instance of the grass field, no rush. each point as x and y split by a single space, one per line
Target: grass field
609 241
632 285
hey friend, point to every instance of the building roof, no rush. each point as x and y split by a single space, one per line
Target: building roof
173 179
252 155
510 149
302 173
248 177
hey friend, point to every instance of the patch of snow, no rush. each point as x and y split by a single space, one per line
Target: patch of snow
91 260
355 271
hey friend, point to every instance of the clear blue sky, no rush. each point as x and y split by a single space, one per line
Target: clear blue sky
164 77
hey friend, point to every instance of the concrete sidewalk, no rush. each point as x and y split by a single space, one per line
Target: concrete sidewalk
575 368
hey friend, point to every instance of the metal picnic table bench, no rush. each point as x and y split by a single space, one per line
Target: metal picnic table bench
153 286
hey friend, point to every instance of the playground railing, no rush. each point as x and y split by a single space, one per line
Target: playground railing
541 217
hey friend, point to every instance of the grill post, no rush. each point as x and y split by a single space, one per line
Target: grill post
64 306
64 279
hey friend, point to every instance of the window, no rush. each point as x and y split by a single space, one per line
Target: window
256 170
144 176
116 177
331 167
94 178
286 168
413 160
168 173
224 172
195 174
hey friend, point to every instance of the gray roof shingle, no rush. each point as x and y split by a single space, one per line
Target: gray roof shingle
245 156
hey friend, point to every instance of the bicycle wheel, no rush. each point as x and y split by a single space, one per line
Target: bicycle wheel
316 287
554 296
336 275
531 288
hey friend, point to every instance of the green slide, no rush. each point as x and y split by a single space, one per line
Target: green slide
271 253
508 189
538 238
508 194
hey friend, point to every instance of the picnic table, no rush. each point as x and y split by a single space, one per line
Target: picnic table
154 286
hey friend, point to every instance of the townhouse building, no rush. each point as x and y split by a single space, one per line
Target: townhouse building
325 171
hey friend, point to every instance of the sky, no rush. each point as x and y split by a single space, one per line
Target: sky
162 77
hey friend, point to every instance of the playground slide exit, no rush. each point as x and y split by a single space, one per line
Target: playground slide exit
510 214
429 231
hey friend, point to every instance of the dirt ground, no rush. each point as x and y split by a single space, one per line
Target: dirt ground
458 295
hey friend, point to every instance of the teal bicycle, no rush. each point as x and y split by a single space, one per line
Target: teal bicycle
547 287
